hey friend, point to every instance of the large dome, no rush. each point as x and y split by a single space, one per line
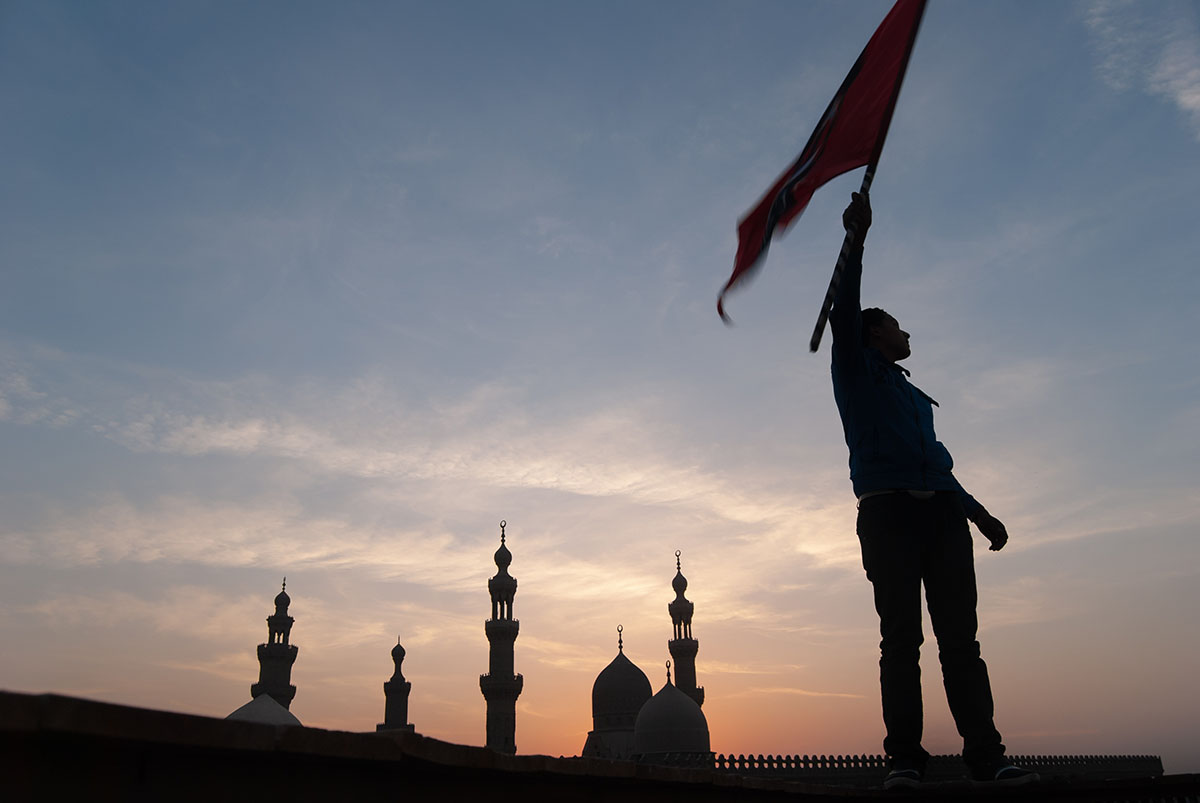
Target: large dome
670 722
620 691
265 710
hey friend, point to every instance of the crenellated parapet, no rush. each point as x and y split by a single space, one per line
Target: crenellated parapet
870 770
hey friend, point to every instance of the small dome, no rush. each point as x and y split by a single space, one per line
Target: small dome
282 600
670 722
620 691
679 584
502 557
398 653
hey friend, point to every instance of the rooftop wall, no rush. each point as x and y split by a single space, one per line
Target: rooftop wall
54 748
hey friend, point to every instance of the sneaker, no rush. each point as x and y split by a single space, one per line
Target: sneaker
1007 774
903 778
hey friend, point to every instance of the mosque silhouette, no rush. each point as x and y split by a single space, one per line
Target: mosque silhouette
629 722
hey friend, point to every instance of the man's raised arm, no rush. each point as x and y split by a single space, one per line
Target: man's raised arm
845 319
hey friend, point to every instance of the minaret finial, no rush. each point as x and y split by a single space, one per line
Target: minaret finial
285 583
503 524
668 671
620 643
677 567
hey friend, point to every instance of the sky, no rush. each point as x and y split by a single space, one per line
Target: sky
326 291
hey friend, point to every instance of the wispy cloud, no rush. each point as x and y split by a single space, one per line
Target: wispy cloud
490 437
1026 600
792 691
22 403
1152 48
184 529
558 237
235 667
727 668
198 611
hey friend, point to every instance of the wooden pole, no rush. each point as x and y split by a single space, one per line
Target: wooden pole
836 279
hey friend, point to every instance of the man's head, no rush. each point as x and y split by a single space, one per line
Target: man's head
881 331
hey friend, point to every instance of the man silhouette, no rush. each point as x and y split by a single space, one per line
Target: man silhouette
912 527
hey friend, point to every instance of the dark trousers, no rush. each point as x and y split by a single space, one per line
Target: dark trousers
906 542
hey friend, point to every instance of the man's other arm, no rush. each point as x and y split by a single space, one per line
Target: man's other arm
991 527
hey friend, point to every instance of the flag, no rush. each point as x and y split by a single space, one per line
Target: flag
849 134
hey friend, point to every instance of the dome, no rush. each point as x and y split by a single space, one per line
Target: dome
620 691
264 710
502 557
679 584
282 600
670 722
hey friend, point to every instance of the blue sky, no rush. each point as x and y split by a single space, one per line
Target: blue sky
328 291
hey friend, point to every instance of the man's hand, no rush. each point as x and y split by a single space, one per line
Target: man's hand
858 215
993 530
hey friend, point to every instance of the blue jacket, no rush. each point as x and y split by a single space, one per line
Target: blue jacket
887 420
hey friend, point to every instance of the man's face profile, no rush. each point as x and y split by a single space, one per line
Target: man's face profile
890 339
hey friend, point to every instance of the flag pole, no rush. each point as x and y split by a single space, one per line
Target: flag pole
851 234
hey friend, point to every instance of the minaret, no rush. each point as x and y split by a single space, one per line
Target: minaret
275 658
395 694
683 647
500 686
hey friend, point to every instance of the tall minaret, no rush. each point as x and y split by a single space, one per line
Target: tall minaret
500 686
275 658
395 695
683 647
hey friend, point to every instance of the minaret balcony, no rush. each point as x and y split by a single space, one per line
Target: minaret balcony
683 646
501 688
501 629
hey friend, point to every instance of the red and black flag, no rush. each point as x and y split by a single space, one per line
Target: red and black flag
850 134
